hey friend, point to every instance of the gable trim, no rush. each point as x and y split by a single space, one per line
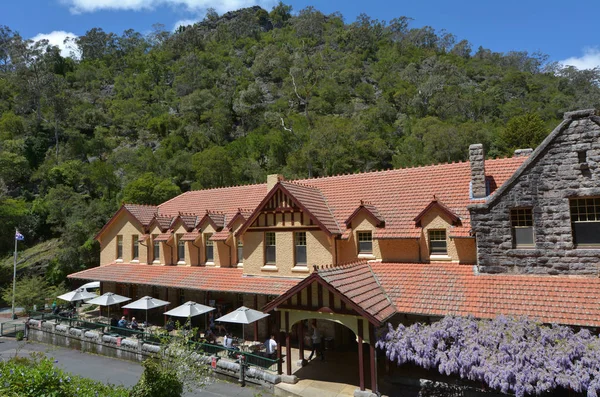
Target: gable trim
279 187
438 204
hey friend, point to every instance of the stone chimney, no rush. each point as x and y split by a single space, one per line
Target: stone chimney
477 160
272 181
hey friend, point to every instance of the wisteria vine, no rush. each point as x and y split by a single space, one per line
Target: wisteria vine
516 356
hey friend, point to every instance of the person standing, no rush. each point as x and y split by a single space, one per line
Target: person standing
271 347
316 342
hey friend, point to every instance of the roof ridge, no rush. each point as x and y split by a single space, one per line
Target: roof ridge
141 205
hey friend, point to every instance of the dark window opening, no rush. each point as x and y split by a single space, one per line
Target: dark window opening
521 220
437 242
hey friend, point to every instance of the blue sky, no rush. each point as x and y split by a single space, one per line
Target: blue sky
565 33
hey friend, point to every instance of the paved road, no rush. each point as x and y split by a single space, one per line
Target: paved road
115 371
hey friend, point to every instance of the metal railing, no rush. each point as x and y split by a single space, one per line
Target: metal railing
159 338
11 329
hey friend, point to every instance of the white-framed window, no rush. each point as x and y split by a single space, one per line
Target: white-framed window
240 251
270 248
209 249
300 251
365 242
180 250
521 220
135 247
155 250
120 247
438 244
585 221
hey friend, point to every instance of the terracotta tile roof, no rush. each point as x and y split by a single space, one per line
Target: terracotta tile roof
163 237
189 220
242 214
401 194
217 219
438 289
223 235
197 278
398 196
192 236
370 209
143 213
315 202
164 222
358 283
227 200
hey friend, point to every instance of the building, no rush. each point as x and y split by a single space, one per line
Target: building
516 236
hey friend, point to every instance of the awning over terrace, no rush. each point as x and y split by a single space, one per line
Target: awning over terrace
195 278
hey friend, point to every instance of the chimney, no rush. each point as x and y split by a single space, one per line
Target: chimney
477 160
272 181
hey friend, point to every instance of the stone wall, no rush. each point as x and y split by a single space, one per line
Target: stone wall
552 175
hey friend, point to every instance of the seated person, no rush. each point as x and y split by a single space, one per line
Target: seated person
228 341
271 347
122 323
210 336
134 324
114 322
170 326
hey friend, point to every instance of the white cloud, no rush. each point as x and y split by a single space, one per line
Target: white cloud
57 38
589 60
221 6
185 22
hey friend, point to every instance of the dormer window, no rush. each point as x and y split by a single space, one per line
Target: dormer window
120 247
180 250
209 248
365 242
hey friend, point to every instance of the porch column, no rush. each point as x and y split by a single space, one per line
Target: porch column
301 340
372 358
256 322
279 343
361 365
288 345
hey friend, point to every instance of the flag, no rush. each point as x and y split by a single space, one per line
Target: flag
19 236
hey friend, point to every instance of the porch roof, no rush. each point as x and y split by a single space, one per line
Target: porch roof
194 277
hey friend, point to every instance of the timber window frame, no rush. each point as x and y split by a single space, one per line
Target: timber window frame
300 250
180 250
364 242
155 250
209 248
585 221
240 251
521 224
438 242
135 248
119 253
270 248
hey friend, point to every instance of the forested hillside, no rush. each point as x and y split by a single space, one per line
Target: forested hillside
142 118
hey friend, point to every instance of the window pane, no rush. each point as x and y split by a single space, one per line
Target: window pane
365 247
181 251
240 254
586 233
523 236
119 247
301 254
156 250
209 253
270 254
136 248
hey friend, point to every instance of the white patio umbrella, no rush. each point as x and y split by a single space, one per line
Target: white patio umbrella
189 309
76 295
146 303
108 299
242 315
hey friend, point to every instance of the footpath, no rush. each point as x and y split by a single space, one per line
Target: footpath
114 371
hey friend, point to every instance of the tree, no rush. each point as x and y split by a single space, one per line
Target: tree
30 291
149 189
521 132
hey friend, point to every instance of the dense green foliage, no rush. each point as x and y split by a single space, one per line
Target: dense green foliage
157 382
39 377
30 291
236 97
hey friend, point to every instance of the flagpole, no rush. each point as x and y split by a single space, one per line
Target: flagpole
14 278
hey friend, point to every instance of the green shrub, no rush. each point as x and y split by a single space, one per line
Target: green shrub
19 335
37 376
157 381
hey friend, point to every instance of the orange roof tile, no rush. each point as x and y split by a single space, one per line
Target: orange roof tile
163 237
192 236
197 278
143 213
436 289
